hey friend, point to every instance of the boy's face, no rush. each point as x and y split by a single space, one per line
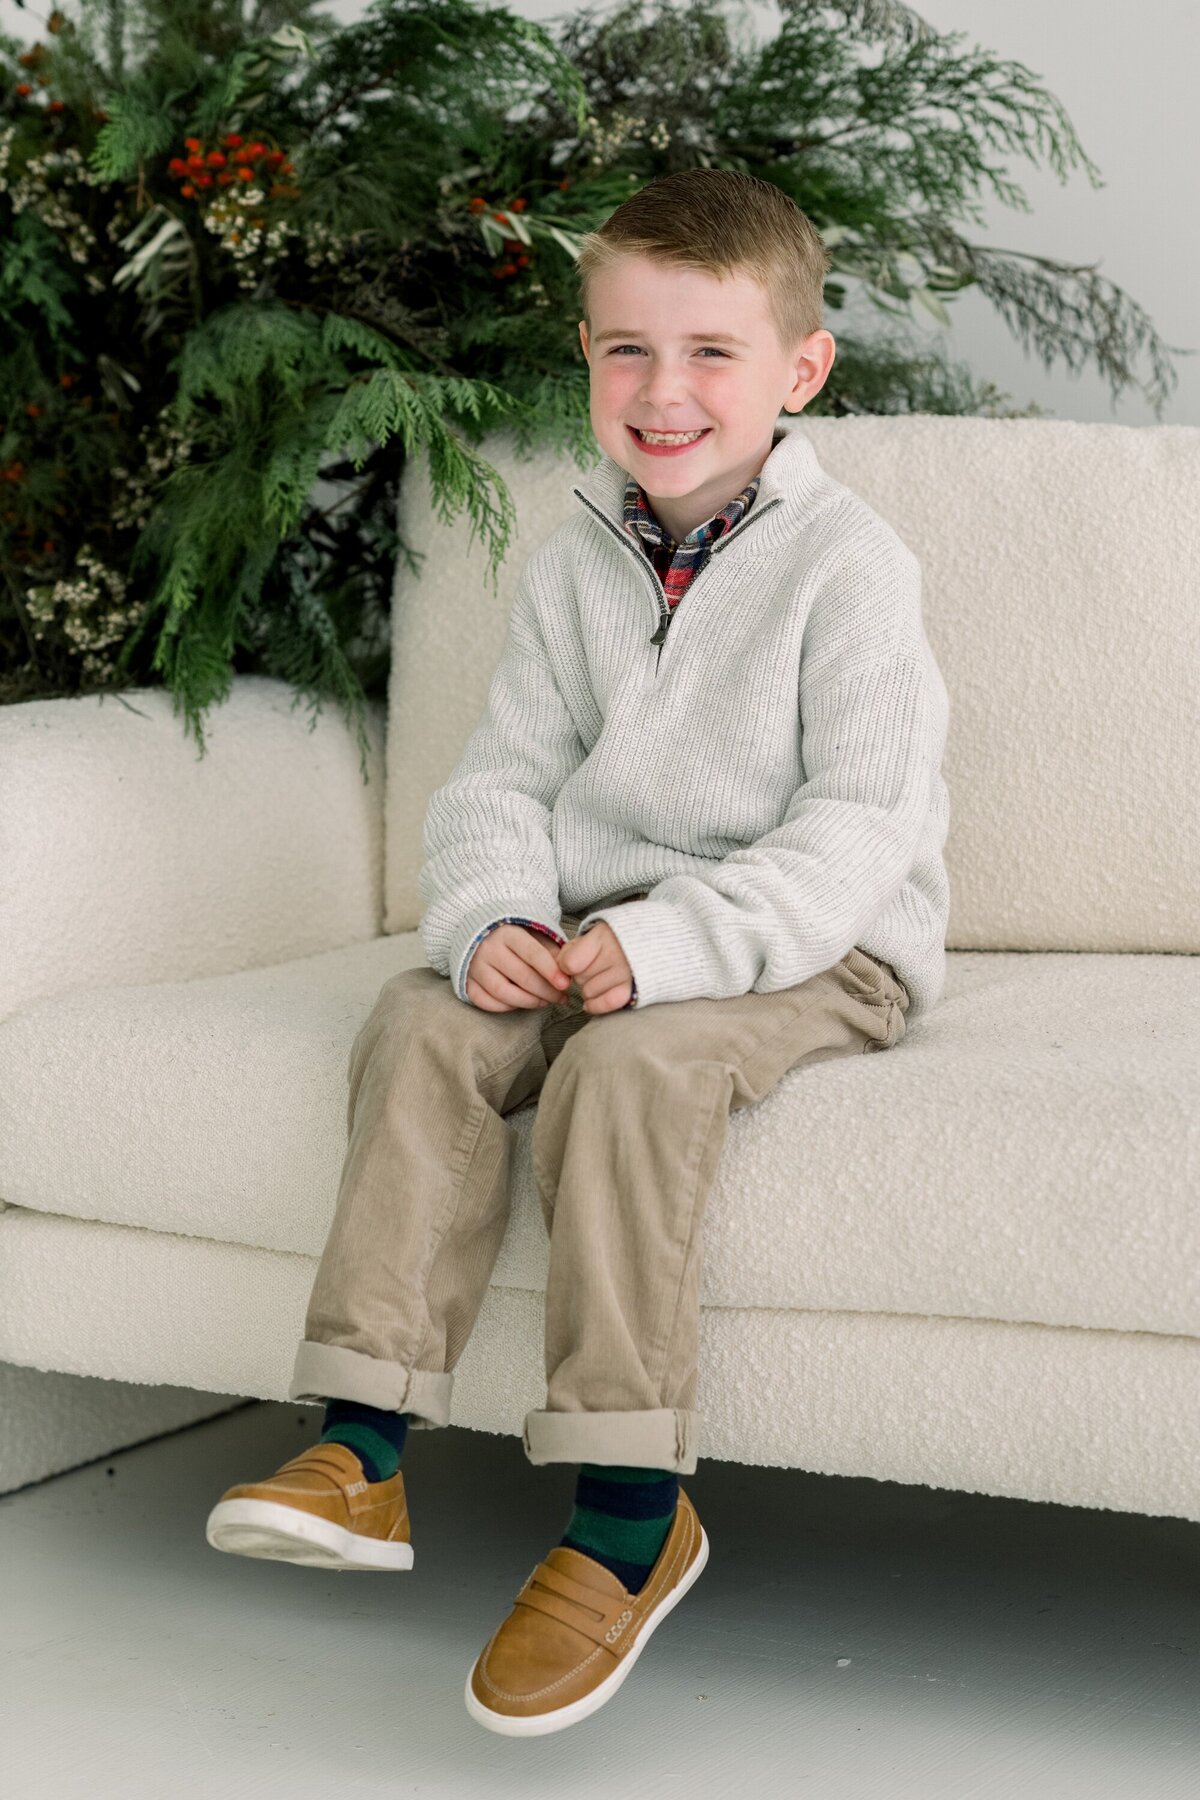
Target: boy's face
658 360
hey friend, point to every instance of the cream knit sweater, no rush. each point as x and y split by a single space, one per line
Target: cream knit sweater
770 770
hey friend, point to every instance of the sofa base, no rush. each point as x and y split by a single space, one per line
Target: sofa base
55 1422
1039 1412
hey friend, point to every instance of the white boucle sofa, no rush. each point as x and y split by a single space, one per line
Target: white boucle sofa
973 1263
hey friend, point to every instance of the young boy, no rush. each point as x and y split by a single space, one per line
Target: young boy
706 790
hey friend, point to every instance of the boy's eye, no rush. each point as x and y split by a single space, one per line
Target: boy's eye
617 348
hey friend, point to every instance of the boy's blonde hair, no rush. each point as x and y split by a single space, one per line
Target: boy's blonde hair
723 223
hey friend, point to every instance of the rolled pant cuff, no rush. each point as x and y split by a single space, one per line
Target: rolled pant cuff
668 1438
331 1371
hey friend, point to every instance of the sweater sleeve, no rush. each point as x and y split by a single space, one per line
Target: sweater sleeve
486 840
781 909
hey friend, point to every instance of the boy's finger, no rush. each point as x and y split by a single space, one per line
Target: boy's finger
604 983
612 1000
523 965
558 976
546 963
478 995
525 991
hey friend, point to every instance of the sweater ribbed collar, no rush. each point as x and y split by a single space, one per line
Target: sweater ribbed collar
790 476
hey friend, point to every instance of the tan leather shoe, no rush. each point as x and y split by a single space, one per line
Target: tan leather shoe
317 1509
575 1632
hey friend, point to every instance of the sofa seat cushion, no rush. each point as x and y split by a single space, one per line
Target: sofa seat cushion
1029 1152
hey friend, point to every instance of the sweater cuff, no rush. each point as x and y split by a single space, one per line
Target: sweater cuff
472 933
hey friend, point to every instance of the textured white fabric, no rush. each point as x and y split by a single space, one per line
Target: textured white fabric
1081 1418
1033 1155
126 856
1060 566
54 1422
771 772
1025 1164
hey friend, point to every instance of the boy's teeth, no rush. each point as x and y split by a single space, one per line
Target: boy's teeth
669 437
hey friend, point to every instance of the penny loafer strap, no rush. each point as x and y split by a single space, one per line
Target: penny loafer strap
586 1609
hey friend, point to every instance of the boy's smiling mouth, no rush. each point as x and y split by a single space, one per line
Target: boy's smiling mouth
667 443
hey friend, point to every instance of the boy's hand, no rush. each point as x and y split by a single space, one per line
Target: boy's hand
514 967
597 954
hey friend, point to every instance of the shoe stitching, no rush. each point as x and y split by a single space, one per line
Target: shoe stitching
283 1488
374 1505
669 1570
308 1494
534 1693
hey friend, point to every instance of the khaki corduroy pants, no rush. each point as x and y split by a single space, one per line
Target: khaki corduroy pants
630 1123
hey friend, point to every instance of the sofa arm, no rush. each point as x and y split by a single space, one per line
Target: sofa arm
127 857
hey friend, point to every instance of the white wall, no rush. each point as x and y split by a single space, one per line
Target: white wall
1126 77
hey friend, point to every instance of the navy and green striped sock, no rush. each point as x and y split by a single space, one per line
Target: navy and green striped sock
376 1437
622 1517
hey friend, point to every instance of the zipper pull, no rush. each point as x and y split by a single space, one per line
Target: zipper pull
659 635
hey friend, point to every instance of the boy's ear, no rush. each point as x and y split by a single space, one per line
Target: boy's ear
583 339
818 351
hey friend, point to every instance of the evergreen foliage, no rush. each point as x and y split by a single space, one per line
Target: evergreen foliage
253 260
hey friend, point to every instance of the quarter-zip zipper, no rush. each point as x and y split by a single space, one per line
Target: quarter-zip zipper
662 609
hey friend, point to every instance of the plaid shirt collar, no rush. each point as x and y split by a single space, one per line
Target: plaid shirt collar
640 521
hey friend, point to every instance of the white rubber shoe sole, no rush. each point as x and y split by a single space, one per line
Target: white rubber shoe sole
282 1533
535 1725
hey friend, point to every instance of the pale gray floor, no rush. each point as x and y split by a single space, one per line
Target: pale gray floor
849 1639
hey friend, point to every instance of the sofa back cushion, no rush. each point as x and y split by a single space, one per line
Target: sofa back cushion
1061 579
128 858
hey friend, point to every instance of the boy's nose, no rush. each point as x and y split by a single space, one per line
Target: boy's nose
662 381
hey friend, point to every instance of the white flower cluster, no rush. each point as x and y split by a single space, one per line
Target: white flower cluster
39 186
624 128
244 233
118 224
96 615
164 448
257 246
